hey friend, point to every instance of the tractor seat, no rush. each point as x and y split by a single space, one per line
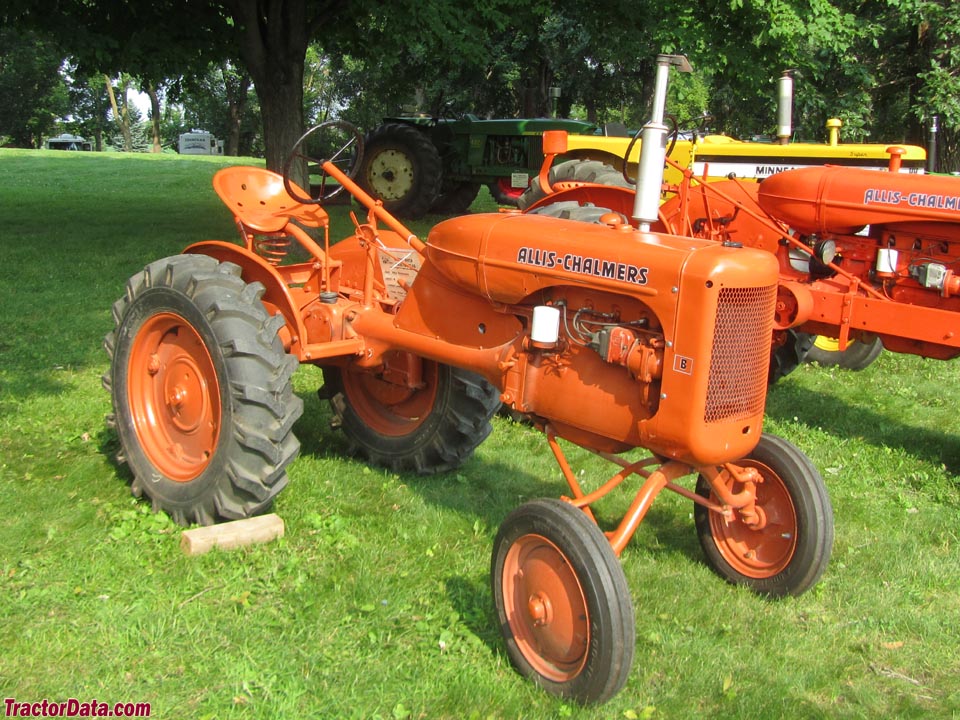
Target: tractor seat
259 200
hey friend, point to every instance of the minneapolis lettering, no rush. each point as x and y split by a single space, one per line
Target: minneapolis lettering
596 267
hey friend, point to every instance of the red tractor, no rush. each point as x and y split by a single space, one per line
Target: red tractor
864 256
605 336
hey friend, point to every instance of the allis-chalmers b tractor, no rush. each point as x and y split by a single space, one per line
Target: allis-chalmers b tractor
606 336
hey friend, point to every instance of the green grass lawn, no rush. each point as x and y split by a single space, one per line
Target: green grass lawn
376 603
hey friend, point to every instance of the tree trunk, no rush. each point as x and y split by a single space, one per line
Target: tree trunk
154 118
236 106
120 115
281 107
274 36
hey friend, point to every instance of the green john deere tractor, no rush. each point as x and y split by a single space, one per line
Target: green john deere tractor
426 164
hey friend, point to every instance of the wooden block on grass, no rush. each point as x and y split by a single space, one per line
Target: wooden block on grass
238 533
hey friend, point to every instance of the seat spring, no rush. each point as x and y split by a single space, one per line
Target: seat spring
273 248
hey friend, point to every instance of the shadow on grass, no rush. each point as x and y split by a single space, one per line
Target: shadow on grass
26 384
489 490
473 601
108 445
789 402
485 490
479 488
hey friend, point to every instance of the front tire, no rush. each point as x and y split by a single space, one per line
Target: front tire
503 193
787 355
790 551
427 425
201 391
562 602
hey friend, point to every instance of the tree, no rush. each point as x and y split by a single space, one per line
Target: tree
319 87
441 56
120 106
89 105
32 93
273 38
920 64
871 64
170 38
153 93
219 101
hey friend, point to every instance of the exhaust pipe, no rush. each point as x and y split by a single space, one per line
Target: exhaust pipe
932 129
785 107
653 145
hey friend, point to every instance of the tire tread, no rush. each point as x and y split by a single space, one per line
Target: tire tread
260 443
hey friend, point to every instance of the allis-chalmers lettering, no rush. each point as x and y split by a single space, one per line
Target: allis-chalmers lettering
923 200
597 267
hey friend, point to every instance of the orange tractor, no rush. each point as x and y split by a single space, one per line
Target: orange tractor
606 336
864 256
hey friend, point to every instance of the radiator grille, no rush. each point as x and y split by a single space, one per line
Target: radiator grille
740 359
535 152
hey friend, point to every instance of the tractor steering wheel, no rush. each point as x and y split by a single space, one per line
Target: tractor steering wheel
674 134
313 149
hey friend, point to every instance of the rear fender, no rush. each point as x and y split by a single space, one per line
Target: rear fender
276 298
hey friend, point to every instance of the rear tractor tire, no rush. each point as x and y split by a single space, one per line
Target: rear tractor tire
585 171
201 391
402 168
788 553
859 354
432 427
455 198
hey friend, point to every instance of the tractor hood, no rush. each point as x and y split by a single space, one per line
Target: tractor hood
508 257
841 200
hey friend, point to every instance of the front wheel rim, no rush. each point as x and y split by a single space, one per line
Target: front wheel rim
546 608
764 552
174 396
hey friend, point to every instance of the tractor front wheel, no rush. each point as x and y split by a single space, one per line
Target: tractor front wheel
789 351
504 193
562 602
785 550
412 414
201 391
